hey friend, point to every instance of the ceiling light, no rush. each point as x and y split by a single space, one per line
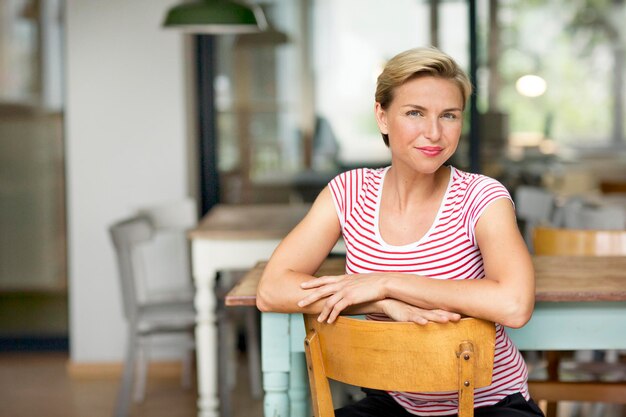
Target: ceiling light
215 17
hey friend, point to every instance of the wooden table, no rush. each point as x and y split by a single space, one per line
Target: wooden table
581 304
229 237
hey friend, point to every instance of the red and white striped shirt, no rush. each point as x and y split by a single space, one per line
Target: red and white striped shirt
447 251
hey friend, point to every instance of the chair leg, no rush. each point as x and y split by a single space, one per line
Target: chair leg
187 369
123 403
553 359
141 376
254 352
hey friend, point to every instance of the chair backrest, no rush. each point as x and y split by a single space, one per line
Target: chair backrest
397 356
168 257
613 186
127 236
175 215
575 213
535 206
567 214
602 218
534 203
576 242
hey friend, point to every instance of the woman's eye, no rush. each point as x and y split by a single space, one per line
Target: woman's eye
449 116
414 113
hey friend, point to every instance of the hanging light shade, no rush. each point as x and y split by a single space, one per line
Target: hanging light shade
215 17
270 36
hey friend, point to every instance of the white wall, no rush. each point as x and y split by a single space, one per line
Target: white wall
127 146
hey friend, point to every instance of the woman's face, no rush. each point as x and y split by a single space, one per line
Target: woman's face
423 122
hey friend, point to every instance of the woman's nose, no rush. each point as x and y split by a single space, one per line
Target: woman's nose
432 130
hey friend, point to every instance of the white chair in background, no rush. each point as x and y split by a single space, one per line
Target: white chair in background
170 267
603 218
534 206
567 214
576 214
171 319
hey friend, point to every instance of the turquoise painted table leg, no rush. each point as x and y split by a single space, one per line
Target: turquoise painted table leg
298 379
275 361
298 387
276 399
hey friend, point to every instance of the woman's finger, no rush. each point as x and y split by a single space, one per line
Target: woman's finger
418 318
328 306
317 294
340 306
450 315
436 316
321 281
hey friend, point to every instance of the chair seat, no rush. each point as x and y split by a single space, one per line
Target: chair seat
170 295
173 316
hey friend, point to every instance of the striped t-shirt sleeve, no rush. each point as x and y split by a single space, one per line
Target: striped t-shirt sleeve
345 189
481 192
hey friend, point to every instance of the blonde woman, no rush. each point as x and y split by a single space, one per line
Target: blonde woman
425 241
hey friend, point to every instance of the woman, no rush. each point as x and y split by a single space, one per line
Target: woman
425 241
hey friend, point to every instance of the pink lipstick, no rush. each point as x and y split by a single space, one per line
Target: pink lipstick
430 150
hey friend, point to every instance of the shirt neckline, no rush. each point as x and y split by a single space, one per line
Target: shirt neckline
379 194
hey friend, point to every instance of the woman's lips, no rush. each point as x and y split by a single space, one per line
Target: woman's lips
430 150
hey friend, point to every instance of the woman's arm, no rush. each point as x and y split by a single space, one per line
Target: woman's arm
505 296
297 257
507 293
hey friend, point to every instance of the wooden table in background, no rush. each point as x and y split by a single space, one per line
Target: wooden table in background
580 305
229 237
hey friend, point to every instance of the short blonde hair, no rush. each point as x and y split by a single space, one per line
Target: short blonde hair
415 63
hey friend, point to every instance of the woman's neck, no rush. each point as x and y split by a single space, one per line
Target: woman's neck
407 188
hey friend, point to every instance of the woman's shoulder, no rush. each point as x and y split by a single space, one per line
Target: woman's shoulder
361 176
475 192
477 189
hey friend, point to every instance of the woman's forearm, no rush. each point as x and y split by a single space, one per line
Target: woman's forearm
283 295
483 298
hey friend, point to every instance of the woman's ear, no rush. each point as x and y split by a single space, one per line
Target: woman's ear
381 118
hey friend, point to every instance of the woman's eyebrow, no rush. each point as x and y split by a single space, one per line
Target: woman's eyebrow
418 107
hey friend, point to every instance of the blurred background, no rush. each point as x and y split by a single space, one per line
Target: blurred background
103 111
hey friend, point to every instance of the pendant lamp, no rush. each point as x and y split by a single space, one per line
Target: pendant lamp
270 36
215 17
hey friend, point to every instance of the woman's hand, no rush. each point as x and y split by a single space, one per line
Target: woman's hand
401 311
343 291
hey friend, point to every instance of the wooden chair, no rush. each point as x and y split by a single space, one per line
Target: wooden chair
575 242
398 356
613 186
